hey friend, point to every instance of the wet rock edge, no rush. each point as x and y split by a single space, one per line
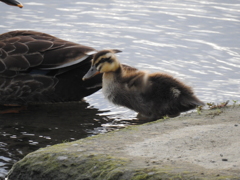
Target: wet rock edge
61 162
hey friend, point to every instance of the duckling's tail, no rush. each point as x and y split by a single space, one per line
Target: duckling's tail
190 103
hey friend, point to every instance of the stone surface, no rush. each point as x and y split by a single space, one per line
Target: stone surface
193 146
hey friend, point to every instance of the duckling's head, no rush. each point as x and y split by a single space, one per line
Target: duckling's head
102 62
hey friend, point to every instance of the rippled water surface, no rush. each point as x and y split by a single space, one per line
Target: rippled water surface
194 40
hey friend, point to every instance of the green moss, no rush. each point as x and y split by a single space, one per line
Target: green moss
94 166
97 167
170 174
159 174
154 174
115 174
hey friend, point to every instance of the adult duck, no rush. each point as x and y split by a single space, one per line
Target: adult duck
151 95
38 67
13 3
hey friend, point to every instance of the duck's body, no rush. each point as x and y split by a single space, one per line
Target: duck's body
37 67
152 95
13 3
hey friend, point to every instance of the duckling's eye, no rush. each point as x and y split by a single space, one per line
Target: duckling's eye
109 60
99 67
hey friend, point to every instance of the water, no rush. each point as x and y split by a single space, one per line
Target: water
196 41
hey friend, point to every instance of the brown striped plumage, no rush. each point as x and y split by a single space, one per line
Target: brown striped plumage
152 95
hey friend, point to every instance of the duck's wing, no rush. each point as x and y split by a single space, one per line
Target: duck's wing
26 88
22 50
134 79
13 3
128 68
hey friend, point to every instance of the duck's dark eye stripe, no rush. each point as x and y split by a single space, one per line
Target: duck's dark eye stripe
97 64
109 60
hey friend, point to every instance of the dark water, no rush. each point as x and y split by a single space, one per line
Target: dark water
48 124
196 41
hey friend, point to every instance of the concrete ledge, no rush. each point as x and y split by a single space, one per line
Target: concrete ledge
193 146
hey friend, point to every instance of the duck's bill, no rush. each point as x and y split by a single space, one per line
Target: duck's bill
14 3
92 72
20 5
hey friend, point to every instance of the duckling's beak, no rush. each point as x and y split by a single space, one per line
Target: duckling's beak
92 72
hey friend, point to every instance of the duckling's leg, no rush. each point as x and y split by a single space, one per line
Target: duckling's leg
150 117
173 115
153 117
12 108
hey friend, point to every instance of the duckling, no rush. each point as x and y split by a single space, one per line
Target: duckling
13 3
153 95
39 68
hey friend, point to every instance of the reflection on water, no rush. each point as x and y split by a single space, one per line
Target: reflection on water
197 41
48 124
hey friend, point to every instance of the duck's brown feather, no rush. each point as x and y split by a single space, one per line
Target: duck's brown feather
43 68
21 50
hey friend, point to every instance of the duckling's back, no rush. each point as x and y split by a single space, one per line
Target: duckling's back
170 96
